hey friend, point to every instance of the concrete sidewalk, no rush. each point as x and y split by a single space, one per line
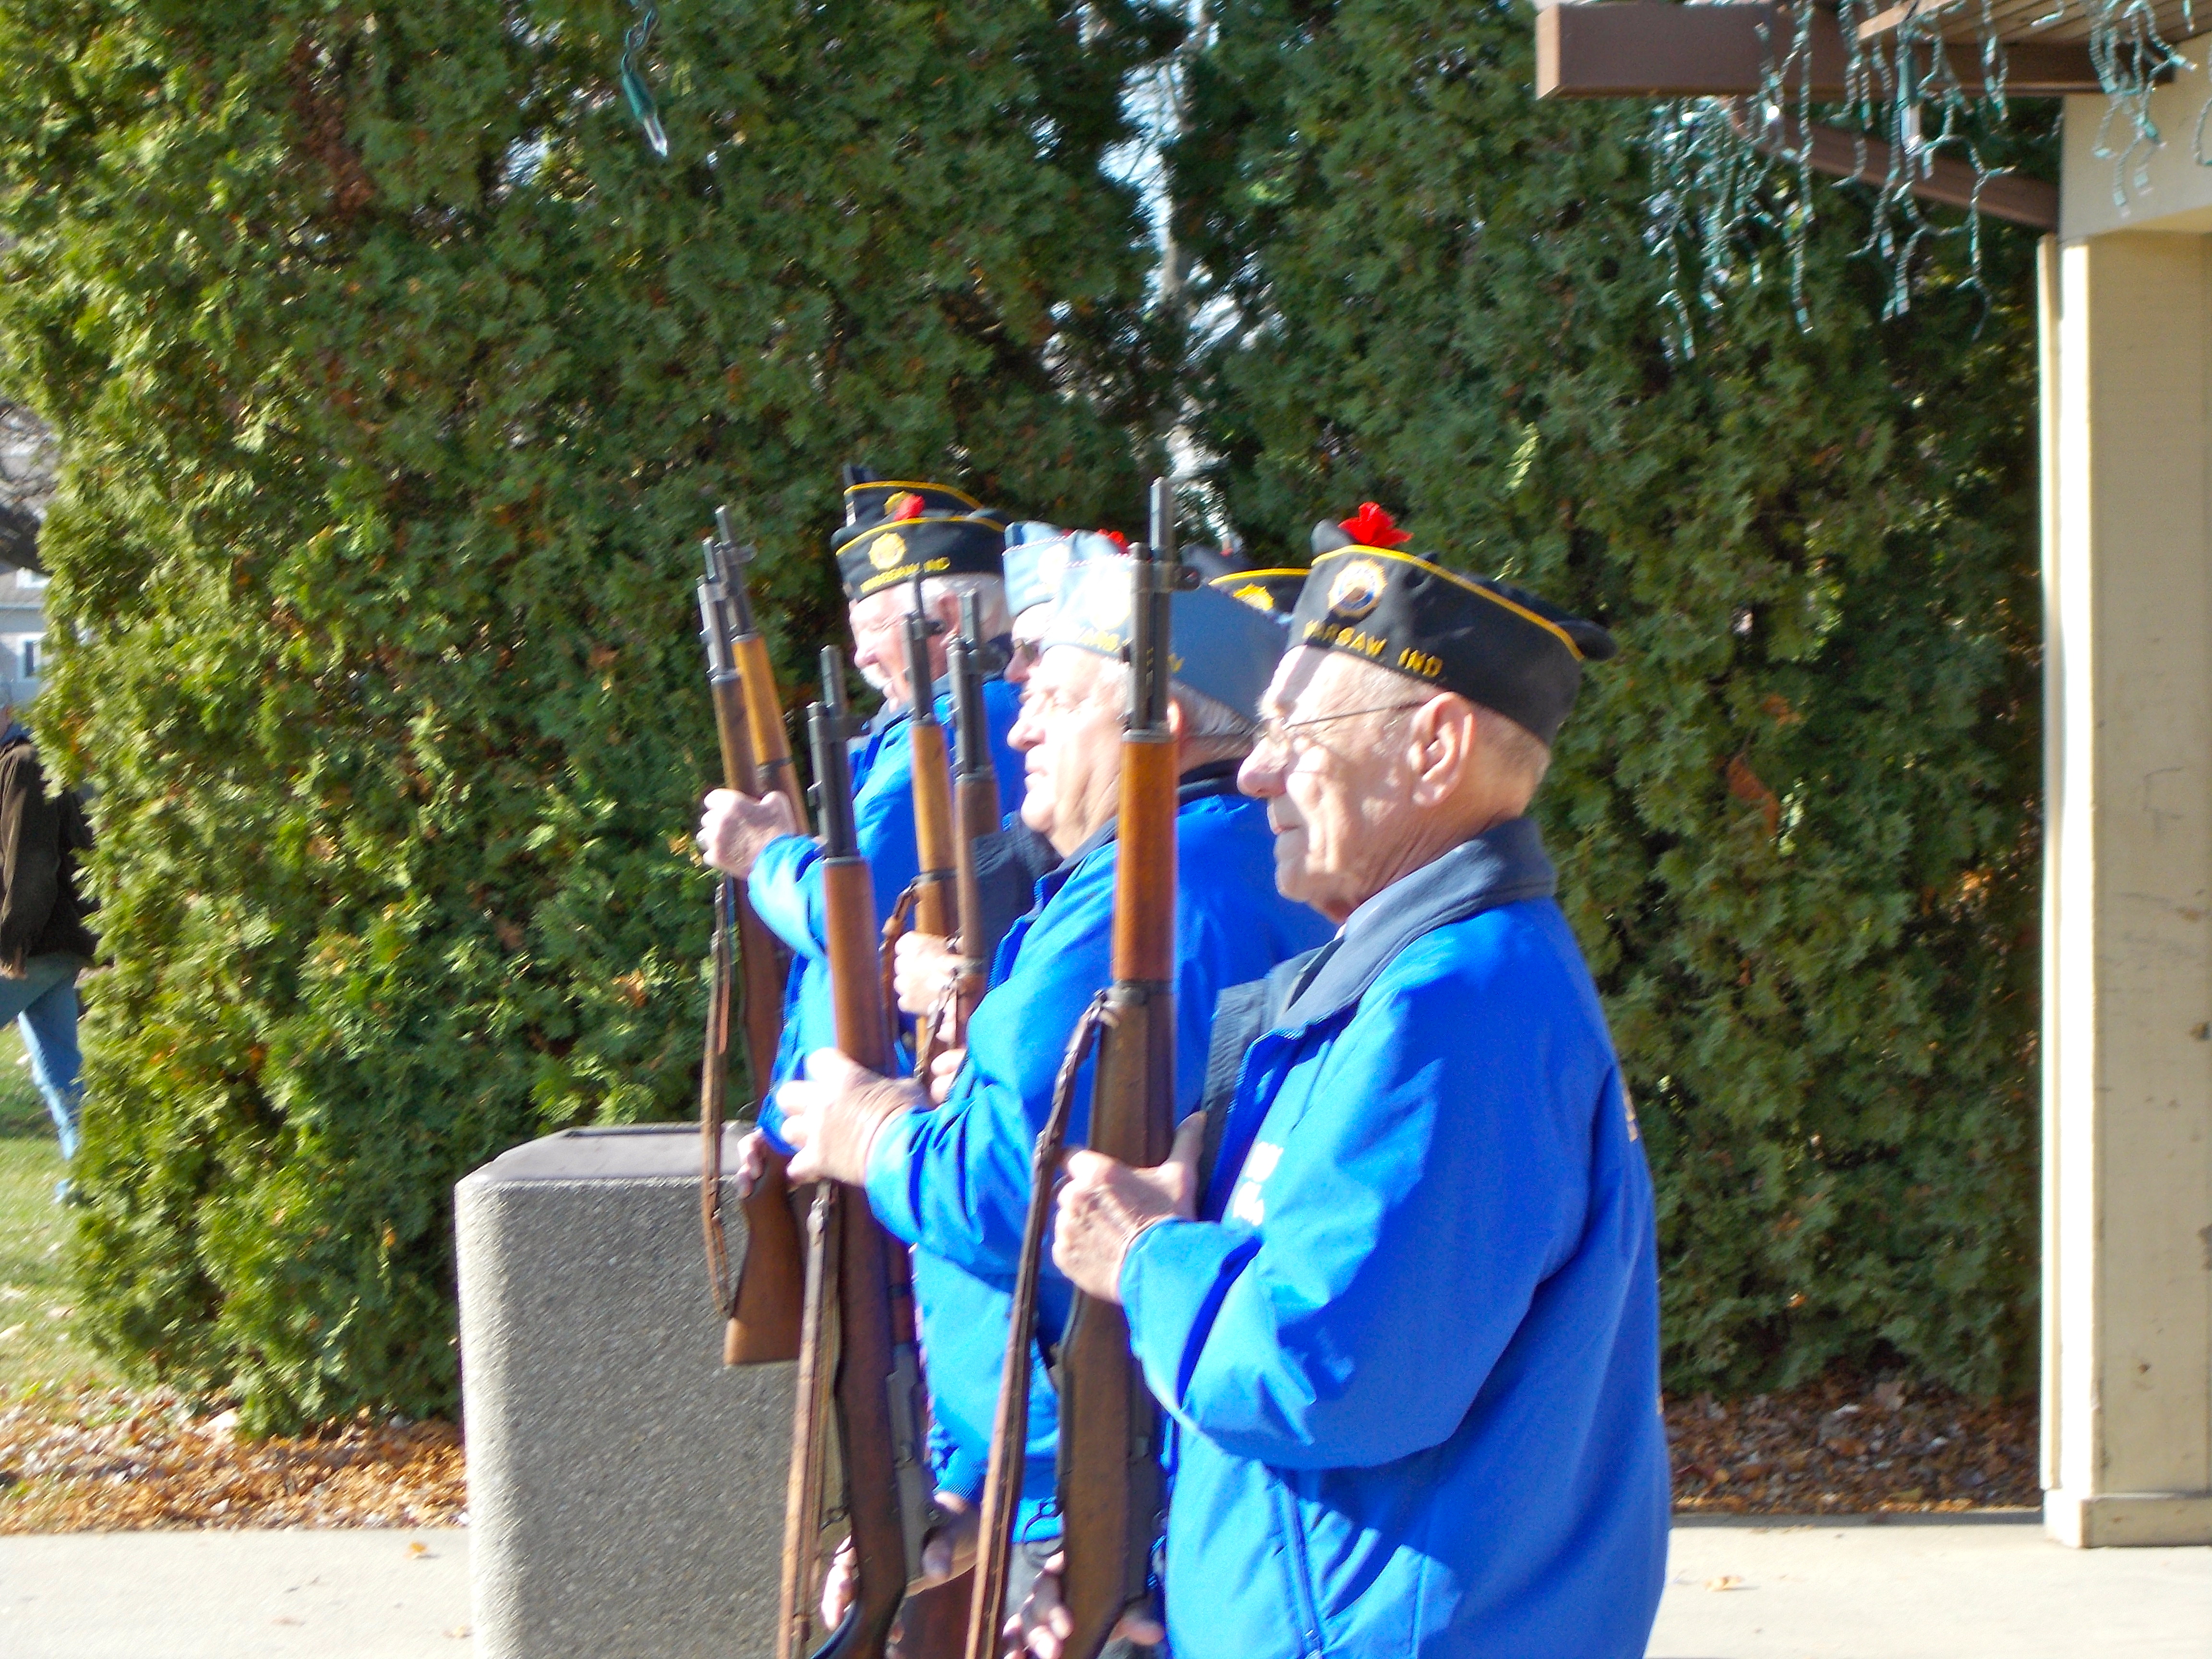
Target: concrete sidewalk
1939 1587
1924 1587
350 1595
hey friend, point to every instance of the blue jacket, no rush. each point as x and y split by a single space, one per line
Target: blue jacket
956 1182
786 886
1412 1353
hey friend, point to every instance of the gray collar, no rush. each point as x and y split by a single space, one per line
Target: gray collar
1500 866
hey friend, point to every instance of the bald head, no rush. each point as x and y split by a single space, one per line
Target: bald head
1369 775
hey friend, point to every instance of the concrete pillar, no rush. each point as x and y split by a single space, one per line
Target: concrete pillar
2127 1026
625 1491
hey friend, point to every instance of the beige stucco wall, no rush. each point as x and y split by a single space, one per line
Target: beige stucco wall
2164 187
2128 933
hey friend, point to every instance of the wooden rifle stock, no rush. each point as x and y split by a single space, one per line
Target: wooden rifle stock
762 1308
927 904
1112 1491
859 1362
932 785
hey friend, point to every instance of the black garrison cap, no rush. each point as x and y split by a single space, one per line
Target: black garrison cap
1273 587
1493 643
895 529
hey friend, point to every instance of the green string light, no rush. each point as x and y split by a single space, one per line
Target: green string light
635 93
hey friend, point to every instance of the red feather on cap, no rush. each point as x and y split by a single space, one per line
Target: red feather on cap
1372 528
904 505
1117 539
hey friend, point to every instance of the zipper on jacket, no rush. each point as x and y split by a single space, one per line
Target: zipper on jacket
1310 1639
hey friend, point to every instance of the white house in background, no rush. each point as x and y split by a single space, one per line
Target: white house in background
29 456
23 629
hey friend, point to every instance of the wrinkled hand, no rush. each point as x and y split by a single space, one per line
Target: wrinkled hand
922 966
1104 1203
1043 1627
944 1067
832 1115
948 1551
734 829
752 1159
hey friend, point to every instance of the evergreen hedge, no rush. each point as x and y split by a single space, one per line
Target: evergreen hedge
397 380
1796 818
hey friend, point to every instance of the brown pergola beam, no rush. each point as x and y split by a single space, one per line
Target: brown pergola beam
1651 49
1943 179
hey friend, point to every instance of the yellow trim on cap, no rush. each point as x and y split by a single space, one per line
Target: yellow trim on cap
910 484
1298 570
1453 576
861 540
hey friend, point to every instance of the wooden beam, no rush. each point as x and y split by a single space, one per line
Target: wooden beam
1653 49
1899 16
1836 154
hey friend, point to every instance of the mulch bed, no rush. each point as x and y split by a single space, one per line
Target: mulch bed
1834 1449
114 1460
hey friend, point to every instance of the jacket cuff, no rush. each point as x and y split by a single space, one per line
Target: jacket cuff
1173 1279
777 891
957 1472
771 1124
890 1190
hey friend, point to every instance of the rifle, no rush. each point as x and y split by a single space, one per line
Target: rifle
1112 1492
857 1361
933 783
763 712
761 1306
975 807
928 904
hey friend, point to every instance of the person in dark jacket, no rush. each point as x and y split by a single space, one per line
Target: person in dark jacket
1407 1324
44 942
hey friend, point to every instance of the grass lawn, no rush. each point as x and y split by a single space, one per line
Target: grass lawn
38 1342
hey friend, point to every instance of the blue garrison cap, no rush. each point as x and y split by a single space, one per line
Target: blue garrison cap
1038 557
1220 646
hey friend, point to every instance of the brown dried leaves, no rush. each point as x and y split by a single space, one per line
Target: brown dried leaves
114 1460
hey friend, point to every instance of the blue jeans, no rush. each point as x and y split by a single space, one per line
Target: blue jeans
45 1001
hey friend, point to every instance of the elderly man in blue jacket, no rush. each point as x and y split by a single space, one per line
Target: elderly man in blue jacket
1407 1325
955 1182
895 532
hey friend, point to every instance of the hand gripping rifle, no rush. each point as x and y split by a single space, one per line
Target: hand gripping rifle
761 1305
858 1362
1112 1491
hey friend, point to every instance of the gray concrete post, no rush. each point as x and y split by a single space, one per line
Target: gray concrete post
625 1490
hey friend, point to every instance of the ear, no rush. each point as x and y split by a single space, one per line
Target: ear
1175 719
1440 741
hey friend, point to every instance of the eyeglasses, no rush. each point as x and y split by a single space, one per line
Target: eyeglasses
1024 653
1274 730
1045 705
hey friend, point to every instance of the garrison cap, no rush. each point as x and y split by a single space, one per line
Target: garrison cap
895 529
1039 557
1493 643
1219 649
1274 588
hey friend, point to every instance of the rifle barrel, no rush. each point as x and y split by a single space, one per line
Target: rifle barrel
876 1395
1112 1492
761 1304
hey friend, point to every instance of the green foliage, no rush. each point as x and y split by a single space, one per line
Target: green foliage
1796 819
397 381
